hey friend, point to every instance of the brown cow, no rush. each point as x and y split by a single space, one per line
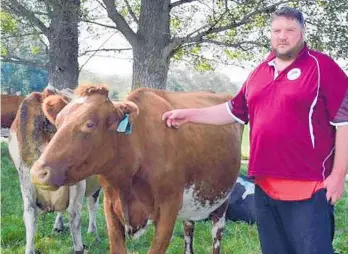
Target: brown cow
9 106
29 135
153 173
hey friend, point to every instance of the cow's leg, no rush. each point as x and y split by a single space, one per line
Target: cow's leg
164 227
28 193
116 232
218 218
189 227
92 203
58 224
29 209
76 193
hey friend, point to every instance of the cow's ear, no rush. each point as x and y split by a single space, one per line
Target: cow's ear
121 109
126 107
51 106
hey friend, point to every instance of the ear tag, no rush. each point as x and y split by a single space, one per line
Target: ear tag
125 126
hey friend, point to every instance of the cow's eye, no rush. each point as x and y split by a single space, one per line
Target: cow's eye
90 124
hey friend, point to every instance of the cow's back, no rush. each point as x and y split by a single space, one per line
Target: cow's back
9 106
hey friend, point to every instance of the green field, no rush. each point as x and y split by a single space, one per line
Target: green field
239 238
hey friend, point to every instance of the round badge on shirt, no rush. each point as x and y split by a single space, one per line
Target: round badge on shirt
294 74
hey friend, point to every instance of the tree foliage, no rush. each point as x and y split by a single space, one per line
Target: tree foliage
207 33
237 31
42 34
202 33
21 43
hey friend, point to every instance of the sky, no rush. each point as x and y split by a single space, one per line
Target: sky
121 64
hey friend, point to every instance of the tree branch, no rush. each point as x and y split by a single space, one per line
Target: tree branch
99 24
40 13
18 35
131 12
96 51
17 9
120 22
212 29
233 45
48 7
104 50
180 2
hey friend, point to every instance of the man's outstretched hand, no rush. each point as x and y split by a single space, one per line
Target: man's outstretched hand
175 118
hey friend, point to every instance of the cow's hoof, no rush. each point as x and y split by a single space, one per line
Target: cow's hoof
58 230
83 251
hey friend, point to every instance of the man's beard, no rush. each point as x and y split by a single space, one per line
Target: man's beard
291 53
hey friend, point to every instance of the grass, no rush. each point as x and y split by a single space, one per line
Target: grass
245 143
239 238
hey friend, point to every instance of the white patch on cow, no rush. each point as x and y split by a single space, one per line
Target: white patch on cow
194 209
217 244
92 205
58 223
140 232
13 147
128 229
218 225
80 100
187 244
76 195
28 193
249 187
27 190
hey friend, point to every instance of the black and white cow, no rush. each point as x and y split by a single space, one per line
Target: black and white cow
241 205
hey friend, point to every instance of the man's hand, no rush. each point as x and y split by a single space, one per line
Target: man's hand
334 185
175 118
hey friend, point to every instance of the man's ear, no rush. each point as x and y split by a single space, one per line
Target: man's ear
121 108
52 105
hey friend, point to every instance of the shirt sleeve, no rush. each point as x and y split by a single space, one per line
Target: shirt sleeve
238 108
335 92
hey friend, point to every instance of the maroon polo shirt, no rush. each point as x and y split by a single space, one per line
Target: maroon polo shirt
293 115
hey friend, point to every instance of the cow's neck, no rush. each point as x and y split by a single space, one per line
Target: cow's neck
33 137
122 173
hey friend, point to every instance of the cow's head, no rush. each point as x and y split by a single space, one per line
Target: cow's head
84 139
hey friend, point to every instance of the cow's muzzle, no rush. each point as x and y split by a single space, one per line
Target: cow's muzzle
45 178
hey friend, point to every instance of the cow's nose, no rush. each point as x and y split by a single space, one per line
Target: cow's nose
41 176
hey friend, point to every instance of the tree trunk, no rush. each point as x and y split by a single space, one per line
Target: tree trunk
63 44
149 68
150 61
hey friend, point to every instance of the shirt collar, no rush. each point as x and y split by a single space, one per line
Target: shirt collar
272 63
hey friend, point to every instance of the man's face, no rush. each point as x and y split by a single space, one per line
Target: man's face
286 37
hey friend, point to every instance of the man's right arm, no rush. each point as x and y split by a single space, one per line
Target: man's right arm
215 115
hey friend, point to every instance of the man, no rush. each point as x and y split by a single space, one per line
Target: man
297 105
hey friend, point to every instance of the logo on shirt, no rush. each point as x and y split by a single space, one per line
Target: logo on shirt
294 74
